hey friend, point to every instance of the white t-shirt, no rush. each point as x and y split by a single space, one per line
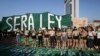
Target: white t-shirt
98 35
90 33
26 32
33 33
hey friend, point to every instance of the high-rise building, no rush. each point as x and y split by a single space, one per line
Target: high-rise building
72 8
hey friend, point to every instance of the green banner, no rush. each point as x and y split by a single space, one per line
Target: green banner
35 20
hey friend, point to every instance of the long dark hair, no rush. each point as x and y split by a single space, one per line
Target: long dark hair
90 28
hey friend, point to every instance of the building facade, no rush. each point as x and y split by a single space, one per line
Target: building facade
72 8
80 22
96 22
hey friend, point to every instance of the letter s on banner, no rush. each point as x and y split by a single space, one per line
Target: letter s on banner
9 24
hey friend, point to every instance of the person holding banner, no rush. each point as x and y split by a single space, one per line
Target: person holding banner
58 38
21 35
75 35
46 37
40 38
33 35
69 35
26 33
52 38
18 39
83 37
64 38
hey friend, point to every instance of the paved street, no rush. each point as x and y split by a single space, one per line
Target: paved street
7 48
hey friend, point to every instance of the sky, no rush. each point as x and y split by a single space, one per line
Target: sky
88 8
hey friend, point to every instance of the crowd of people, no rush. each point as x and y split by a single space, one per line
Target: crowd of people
82 37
